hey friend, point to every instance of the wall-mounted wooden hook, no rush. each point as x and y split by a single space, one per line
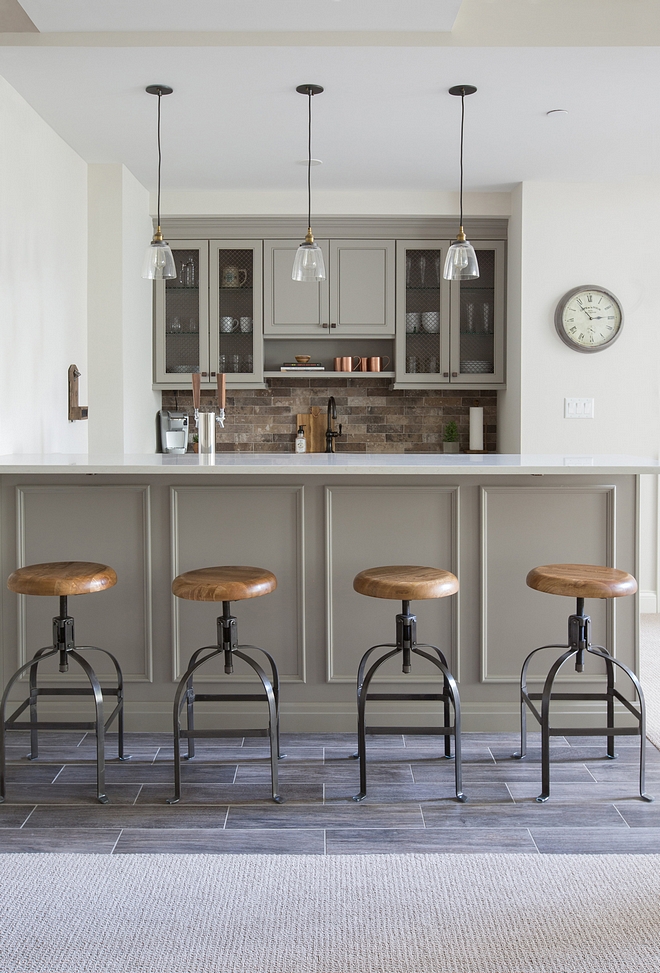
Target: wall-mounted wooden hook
75 411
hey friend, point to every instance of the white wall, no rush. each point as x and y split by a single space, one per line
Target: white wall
572 234
122 404
43 281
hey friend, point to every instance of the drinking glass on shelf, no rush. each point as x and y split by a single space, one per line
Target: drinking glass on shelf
408 269
411 364
432 365
176 326
222 363
248 363
486 318
234 363
437 271
469 314
422 269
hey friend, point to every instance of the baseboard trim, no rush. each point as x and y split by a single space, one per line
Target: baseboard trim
648 602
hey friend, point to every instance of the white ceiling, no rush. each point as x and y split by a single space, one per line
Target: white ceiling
220 15
385 121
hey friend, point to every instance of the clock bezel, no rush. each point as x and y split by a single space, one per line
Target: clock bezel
559 315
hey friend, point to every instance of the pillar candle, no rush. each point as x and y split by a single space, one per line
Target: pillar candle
476 428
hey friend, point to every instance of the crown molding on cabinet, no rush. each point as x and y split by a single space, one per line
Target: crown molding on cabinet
333 227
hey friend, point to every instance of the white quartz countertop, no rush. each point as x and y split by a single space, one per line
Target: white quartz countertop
329 464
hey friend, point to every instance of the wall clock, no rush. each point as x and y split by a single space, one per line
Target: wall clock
588 318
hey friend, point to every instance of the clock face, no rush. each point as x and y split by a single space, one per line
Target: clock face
588 318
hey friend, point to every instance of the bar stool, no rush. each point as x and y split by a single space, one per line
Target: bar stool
580 581
64 578
407 583
226 583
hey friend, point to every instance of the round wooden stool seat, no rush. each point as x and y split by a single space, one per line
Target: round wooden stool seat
405 582
582 581
62 578
227 582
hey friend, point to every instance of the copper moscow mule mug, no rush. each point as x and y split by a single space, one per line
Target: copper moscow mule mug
345 364
376 364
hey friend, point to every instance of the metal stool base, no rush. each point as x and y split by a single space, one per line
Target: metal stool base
64 646
579 644
406 643
227 628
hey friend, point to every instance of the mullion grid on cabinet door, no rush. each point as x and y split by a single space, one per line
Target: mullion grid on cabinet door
423 352
236 293
477 321
181 312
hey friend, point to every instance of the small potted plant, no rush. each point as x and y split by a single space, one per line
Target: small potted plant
450 438
195 443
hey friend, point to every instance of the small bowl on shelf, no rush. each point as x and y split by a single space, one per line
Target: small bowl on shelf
302 359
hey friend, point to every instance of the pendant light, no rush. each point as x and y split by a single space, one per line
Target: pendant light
461 262
158 260
308 263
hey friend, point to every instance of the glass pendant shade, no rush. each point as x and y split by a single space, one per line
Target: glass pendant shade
308 263
461 262
158 262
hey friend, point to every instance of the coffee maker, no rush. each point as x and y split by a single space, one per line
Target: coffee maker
173 431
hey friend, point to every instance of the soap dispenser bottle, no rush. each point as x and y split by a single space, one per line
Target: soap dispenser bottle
301 442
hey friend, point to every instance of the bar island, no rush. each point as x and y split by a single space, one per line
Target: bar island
315 521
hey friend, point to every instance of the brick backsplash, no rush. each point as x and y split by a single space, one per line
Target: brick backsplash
375 417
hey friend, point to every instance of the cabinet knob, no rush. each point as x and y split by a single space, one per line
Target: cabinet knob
445 374
333 325
324 325
212 374
204 374
454 374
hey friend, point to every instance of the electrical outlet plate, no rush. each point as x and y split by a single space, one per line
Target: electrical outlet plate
578 408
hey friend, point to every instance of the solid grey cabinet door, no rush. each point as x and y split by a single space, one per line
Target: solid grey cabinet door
362 287
291 306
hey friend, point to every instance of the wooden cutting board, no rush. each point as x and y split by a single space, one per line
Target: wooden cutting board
314 423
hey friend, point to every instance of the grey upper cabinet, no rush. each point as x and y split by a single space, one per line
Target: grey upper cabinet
290 306
362 284
209 318
355 300
449 332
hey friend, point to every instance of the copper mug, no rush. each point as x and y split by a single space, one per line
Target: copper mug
346 364
376 364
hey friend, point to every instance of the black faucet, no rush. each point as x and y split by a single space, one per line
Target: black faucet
330 433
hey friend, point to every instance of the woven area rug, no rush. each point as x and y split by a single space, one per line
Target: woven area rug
315 914
649 673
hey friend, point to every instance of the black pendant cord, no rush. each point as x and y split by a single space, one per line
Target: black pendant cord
461 181
309 162
160 159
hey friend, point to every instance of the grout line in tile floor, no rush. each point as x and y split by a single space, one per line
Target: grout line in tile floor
58 773
138 794
621 815
529 832
28 817
112 850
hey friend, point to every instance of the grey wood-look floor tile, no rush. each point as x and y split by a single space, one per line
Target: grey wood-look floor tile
613 770
521 816
136 816
246 755
337 740
156 773
584 755
39 841
323 773
51 738
14 815
69 793
354 841
32 772
521 770
67 755
578 794
139 740
569 841
640 814
421 755
217 842
482 793
506 740
326 816
258 793
587 741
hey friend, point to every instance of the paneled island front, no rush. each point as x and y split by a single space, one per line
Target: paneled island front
315 521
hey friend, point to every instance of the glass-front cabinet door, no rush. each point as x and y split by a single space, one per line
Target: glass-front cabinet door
236 303
182 312
477 321
423 300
